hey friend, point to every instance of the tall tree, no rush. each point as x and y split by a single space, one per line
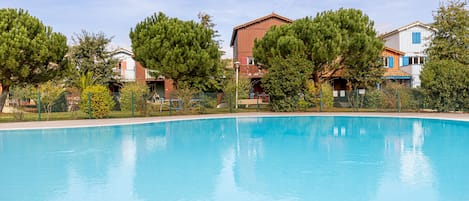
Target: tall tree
451 39
342 40
334 40
444 78
183 51
92 59
445 84
30 52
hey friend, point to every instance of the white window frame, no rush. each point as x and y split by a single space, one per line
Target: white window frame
250 61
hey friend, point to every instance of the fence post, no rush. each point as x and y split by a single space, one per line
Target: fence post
231 103
356 101
320 99
39 106
398 102
89 105
132 102
170 105
257 109
201 105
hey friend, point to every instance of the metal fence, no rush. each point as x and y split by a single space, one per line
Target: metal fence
69 105
32 105
361 100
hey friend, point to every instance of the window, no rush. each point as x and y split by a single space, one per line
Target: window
250 61
405 61
416 39
388 62
413 60
416 60
385 61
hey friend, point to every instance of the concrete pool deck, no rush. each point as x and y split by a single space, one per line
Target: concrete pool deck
125 121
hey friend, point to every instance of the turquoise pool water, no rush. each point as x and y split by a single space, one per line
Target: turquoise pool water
252 159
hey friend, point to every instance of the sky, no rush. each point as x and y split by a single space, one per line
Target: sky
115 18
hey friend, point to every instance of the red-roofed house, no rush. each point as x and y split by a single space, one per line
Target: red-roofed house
242 41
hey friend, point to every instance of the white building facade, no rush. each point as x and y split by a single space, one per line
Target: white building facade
126 65
412 39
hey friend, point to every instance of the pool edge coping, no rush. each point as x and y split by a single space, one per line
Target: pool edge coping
34 125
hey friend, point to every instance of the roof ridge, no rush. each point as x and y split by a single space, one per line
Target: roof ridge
257 20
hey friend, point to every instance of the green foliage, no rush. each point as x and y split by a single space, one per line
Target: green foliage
314 93
183 51
445 81
29 51
100 100
244 85
451 39
334 40
93 62
445 85
50 92
23 92
327 95
374 98
185 94
140 93
20 95
391 95
285 82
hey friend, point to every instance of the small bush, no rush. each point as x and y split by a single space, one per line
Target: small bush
140 93
185 94
100 99
373 99
315 95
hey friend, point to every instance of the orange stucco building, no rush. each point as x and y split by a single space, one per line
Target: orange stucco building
391 63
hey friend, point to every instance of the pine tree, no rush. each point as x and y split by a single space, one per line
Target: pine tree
29 51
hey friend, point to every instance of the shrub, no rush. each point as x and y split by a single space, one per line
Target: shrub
140 93
373 99
388 98
229 89
315 95
185 95
50 93
100 99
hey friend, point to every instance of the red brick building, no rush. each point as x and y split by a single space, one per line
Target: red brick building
242 41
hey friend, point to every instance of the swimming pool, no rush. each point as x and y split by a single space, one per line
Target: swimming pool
245 158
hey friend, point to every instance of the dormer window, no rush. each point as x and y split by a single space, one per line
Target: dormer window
416 38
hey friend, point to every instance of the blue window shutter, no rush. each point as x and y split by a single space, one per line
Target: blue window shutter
391 62
416 37
405 61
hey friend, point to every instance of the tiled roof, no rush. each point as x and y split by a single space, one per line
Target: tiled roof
247 24
396 74
395 51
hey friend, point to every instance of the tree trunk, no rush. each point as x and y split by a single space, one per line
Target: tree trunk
3 96
317 79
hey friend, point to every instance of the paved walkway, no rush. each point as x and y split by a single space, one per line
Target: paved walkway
108 122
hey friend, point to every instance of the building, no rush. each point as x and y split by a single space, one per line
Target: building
242 41
129 70
393 68
412 40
